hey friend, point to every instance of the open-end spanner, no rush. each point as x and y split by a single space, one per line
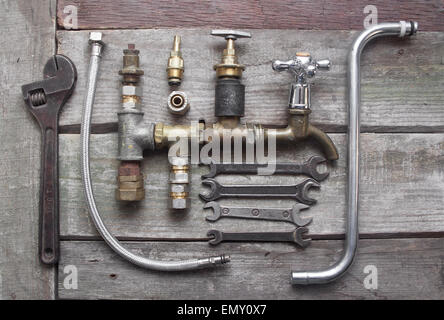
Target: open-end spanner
294 236
270 214
298 191
308 168
44 100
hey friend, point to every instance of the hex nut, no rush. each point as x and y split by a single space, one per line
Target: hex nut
95 37
131 91
179 203
178 103
130 194
131 104
126 178
179 188
180 177
131 185
178 161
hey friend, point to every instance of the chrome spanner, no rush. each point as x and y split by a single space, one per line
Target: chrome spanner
270 214
298 191
308 168
294 236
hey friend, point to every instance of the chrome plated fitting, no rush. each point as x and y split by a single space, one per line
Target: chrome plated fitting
178 103
179 183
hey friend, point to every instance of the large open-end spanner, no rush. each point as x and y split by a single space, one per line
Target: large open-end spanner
308 168
270 214
295 236
298 191
44 100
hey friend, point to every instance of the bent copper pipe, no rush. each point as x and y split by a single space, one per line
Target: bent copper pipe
400 29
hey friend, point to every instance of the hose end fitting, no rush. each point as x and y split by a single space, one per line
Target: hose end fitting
215 260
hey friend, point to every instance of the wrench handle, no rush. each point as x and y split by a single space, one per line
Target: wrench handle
49 194
260 236
260 191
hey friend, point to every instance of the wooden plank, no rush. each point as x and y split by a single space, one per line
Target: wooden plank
28 29
402 80
402 191
406 269
276 14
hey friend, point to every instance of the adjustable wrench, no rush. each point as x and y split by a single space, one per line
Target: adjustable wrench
286 215
44 100
294 236
298 192
308 168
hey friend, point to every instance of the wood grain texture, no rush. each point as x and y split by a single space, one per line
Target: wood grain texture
28 29
407 269
401 191
256 14
402 80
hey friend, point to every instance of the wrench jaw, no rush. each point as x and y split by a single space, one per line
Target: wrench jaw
216 237
313 163
212 173
213 194
302 196
295 215
299 239
216 211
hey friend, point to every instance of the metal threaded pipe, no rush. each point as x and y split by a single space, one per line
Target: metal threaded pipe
191 264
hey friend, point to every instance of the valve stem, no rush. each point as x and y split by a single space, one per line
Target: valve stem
175 67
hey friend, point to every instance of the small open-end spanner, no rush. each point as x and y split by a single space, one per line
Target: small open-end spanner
270 214
298 191
308 168
44 100
294 236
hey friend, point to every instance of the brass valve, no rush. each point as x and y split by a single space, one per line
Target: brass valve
175 67
229 66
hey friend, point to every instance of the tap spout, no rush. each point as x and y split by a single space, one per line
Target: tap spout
335 271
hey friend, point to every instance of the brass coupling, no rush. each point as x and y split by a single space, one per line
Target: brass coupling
175 67
179 183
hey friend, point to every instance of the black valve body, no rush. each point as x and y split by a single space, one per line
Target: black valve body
229 98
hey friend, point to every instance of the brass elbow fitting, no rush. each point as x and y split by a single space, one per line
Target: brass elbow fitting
175 67
299 128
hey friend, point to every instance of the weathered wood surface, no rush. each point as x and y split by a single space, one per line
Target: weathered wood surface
28 31
257 14
402 80
402 191
407 269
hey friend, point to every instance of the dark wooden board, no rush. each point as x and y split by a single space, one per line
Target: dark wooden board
255 14
406 268
402 80
401 191
27 41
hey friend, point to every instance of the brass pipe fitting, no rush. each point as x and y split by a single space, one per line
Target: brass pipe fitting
299 128
178 103
229 66
175 67
130 178
179 183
